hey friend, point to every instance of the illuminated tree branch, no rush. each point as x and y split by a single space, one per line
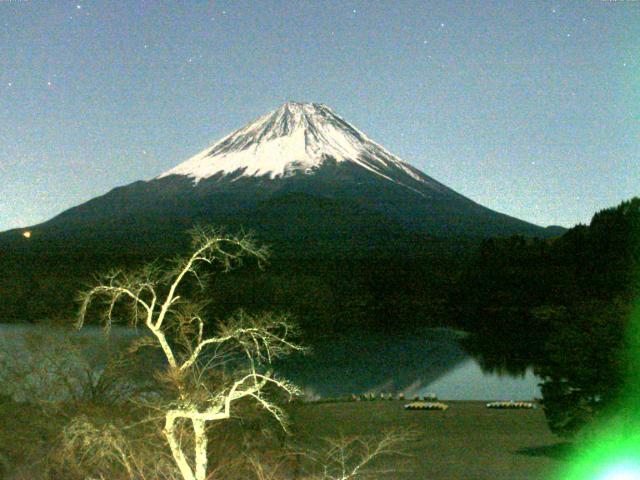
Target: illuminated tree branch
151 296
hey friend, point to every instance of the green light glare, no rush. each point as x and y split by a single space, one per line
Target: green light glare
622 471
607 457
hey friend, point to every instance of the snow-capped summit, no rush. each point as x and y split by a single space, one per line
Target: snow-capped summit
295 138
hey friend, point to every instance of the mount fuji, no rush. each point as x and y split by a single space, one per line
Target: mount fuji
301 176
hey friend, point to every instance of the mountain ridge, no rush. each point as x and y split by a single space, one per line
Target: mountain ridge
297 148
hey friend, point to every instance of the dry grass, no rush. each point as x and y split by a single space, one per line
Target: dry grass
467 441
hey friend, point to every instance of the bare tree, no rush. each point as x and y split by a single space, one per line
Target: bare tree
349 458
341 458
208 373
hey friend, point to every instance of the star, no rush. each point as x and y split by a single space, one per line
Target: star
442 25
49 84
553 11
354 10
9 84
424 41
79 7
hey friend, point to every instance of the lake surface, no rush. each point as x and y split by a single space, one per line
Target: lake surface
418 363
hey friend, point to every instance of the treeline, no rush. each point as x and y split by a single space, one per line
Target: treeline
324 293
562 306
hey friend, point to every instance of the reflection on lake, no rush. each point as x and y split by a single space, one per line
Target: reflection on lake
428 361
417 363
467 381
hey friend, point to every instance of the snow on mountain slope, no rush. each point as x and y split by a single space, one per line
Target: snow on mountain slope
295 138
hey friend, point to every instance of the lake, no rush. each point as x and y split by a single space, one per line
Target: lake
416 363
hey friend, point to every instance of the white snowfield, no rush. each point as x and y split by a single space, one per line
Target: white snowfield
295 138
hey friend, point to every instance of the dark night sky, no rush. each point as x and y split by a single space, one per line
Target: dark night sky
531 108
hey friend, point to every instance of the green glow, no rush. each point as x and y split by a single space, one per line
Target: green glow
611 455
613 449
622 471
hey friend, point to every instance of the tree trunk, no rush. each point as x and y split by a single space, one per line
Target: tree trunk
176 450
199 429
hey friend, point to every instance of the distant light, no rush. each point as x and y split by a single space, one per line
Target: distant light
26 234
